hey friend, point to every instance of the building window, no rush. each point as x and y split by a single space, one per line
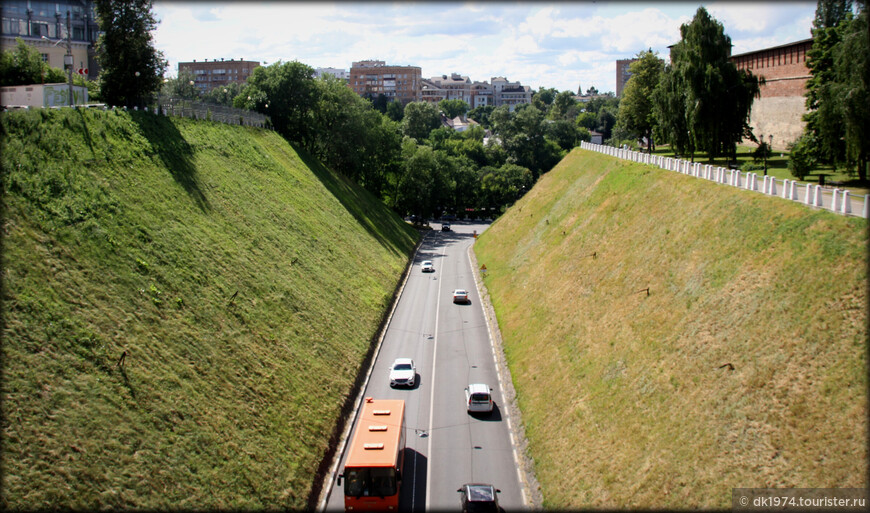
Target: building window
44 57
39 29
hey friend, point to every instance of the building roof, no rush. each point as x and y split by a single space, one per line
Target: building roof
795 43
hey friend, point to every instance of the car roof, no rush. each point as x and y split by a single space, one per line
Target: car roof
460 291
480 492
403 360
478 388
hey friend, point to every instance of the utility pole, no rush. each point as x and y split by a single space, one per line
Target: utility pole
68 58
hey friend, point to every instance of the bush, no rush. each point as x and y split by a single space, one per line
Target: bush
801 158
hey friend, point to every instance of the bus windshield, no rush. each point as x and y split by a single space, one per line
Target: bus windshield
370 482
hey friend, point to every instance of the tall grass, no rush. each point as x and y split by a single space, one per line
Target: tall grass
671 338
186 305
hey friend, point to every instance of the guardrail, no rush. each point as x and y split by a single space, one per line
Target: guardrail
836 200
198 110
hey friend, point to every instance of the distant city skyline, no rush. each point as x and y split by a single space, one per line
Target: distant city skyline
563 45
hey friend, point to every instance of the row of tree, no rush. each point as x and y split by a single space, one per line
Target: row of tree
838 94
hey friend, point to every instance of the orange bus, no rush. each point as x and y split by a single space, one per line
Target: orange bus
373 470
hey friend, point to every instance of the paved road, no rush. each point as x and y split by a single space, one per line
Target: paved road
451 347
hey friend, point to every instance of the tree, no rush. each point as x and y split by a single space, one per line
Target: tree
852 75
223 95
395 111
636 106
564 106
563 132
287 93
182 86
132 69
715 96
420 119
24 66
481 115
837 85
453 108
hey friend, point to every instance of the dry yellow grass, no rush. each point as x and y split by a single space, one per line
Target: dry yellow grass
627 397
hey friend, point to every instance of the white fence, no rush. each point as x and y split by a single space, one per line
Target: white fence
835 200
198 110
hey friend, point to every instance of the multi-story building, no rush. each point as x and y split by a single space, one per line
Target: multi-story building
779 109
217 73
432 92
622 74
510 93
398 83
340 74
56 29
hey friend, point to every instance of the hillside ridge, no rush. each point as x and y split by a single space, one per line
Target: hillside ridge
186 307
672 338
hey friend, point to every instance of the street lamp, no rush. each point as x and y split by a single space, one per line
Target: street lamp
764 154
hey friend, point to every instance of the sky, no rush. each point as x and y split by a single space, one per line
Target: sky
567 45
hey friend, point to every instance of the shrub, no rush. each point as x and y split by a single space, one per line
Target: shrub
801 158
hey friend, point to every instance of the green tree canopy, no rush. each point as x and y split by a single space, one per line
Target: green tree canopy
453 108
183 86
636 106
564 107
24 66
132 69
420 119
716 96
287 93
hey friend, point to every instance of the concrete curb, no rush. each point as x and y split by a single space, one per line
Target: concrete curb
531 487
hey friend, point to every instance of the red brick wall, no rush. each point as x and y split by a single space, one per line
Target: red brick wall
784 68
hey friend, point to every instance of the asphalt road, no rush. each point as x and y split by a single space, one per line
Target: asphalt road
451 346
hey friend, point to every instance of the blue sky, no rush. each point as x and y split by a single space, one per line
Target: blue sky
540 44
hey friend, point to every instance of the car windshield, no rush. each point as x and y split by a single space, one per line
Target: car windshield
402 366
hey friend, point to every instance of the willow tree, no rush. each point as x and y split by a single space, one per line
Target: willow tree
704 91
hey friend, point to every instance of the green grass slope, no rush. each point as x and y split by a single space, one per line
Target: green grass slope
670 338
186 306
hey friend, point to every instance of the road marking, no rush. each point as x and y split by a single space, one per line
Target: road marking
432 392
507 417
326 493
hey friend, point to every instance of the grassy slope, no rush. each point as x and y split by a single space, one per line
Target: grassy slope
243 286
623 395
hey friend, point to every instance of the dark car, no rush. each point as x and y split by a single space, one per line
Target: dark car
479 497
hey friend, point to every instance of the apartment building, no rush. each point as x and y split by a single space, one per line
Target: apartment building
46 25
218 73
622 74
398 83
340 74
476 94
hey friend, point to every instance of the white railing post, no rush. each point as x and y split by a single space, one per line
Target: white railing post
807 197
867 206
835 201
772 186
785 188
818 201
847 204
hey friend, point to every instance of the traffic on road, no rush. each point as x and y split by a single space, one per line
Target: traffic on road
430 433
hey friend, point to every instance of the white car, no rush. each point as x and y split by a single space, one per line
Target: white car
427 266
460 296
478 398
403 372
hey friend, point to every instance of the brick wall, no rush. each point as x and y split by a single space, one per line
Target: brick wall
782 104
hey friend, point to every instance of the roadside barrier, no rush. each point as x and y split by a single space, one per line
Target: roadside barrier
836 200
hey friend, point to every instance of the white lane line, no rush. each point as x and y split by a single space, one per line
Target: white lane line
507 417
429 466
326 493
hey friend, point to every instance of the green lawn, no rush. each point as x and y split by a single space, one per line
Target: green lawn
186 306
683 339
